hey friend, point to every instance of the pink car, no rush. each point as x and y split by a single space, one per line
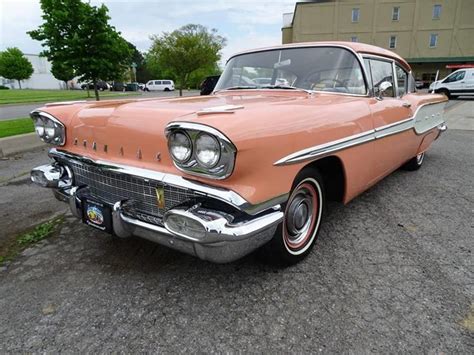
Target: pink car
250 166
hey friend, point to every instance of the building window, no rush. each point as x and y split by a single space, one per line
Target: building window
436 12
433 40
355 15
392 43
396 13
354 39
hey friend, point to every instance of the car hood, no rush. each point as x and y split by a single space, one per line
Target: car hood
133 131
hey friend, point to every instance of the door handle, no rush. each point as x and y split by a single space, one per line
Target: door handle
462 82
406 104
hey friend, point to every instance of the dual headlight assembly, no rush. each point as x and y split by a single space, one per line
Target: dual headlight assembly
48 128
195 149
200 150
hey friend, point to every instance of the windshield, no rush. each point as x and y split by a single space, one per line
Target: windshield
310 68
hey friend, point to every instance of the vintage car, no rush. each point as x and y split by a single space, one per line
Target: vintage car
249 166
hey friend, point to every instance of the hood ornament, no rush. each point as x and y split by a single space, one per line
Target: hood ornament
219 109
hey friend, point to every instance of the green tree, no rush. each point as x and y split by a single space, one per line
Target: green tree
79 34
62 71
186 50
13 65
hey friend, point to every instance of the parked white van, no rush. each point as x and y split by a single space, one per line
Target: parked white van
458 83
159 85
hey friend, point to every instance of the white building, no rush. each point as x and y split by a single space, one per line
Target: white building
41 77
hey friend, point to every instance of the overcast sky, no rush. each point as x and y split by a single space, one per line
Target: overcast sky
246 24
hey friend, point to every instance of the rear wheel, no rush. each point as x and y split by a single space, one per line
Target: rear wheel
297 234
167 89
414 163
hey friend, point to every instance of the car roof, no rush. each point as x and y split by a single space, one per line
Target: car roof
358 47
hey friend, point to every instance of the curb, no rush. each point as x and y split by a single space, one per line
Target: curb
19 144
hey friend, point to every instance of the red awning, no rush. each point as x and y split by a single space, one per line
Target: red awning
459 66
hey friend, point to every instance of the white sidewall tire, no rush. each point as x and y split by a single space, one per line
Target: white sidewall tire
310 242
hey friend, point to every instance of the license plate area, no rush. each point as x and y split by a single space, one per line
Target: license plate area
97 214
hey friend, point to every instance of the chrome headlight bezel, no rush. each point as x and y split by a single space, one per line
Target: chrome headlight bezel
49 128
224 165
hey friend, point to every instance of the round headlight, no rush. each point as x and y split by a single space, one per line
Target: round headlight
49 130
208 150
180 146
39 127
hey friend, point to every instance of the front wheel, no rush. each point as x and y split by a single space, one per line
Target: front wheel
297 234
444 92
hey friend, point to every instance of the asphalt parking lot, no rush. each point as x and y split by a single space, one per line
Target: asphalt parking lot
392 272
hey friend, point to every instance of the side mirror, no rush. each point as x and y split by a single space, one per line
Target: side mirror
383 88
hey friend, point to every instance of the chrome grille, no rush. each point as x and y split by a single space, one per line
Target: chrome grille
110 187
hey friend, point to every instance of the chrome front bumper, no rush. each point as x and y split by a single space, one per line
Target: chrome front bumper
208 233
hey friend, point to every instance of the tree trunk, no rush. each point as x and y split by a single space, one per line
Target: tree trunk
19 84
97 98
67 88
180 91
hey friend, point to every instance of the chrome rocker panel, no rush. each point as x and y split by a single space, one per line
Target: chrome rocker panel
209 234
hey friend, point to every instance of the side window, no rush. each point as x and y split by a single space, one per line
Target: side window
369 72
166 82
381 71
157 82
455 77
402 81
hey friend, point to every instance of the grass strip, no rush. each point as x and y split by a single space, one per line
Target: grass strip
16 126
27 95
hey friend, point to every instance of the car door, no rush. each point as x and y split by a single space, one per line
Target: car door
391 114
456 82
158 85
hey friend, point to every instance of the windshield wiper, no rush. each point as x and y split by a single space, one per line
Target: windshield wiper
286 87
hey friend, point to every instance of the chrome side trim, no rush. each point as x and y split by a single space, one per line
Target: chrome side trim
394 128
324 149
228 196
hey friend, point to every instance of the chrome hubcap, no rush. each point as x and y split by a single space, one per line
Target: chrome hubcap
299 216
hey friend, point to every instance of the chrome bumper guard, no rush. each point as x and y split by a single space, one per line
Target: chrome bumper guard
441 129
209 234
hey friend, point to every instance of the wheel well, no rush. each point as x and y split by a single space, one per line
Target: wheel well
332 170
